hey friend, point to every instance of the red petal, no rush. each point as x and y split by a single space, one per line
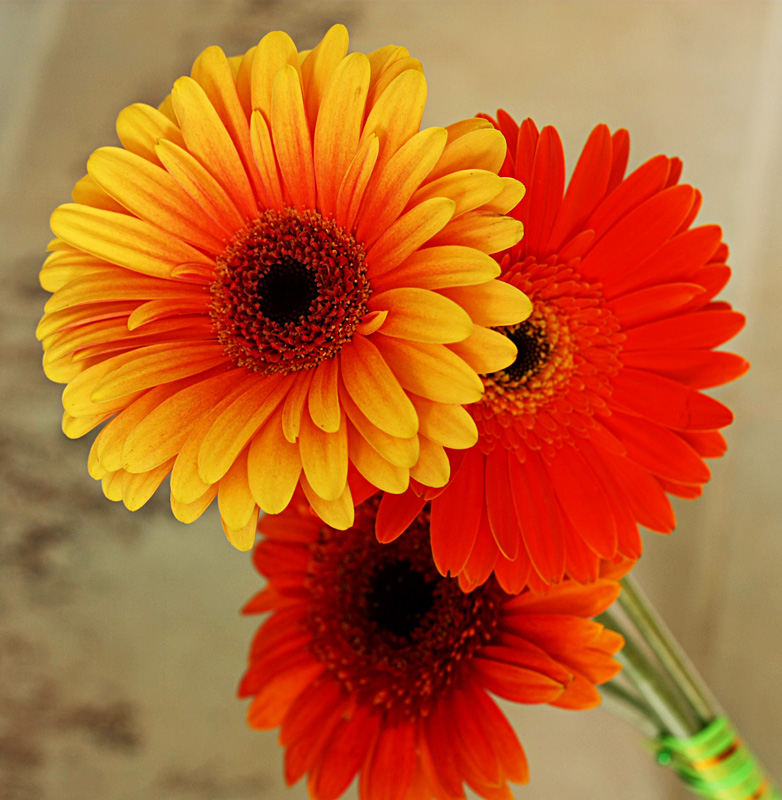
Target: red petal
700 369
639 234
544 191
587 187
667 402
686 331
581 496
640 185
539 516
456 514
658 450
395 515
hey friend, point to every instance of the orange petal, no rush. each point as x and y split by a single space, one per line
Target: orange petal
324 458
430 370
208 140
237 423
292 142
273 466
421 316
123 240
375 388
338 126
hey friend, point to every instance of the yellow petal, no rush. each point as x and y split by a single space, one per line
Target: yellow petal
190 512
234 498
291 136
447 425
430 370
511 195
76 427
63 266
115 434
274 51
294 405
354 184
421 316
318 67
440 267
163 432
123 240
111 483
484 230
338 127
491 304
208 140
89 193
155 364
399 452
198 182
374 467
152 194
396 115
215 74
468 188
375 389
273 466
266 162
395 181
140 127
244 538
337 513
137 489
471 147
237 423
323 397
324 458
486 350
432 468
407 234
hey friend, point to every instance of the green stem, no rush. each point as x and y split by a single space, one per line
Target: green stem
672 658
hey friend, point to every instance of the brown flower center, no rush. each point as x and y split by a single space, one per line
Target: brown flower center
290 290
385 622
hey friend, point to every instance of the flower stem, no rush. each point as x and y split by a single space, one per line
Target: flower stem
667 696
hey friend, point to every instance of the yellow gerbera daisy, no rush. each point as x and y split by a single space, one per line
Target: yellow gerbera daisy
280 280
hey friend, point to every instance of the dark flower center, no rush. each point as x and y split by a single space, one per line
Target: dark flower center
285 292
533 349
383 619
399 598
289 292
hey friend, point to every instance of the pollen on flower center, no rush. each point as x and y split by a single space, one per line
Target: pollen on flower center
291 288
568 350
385 622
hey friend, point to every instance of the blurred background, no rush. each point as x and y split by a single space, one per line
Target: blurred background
121 643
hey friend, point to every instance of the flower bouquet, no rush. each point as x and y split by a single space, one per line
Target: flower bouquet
450 383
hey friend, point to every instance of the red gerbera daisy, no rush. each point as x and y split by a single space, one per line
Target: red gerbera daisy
374 664
600 416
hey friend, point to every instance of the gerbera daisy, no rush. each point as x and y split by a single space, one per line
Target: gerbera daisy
254 293
374 664
601 415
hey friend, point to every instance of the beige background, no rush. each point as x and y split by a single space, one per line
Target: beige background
120 640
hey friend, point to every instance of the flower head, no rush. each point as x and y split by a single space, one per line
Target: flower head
264 287
374 664
600 416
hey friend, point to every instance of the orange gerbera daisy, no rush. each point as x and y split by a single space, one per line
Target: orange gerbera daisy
266 285
374 664
600 415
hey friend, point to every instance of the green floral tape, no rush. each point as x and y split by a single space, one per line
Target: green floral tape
715 764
